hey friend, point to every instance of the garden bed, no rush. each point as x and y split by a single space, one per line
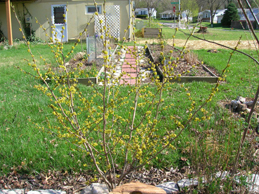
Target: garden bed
189 67
91 70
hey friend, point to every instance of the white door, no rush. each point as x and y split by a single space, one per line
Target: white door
59 19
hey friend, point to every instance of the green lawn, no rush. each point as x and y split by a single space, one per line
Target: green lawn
216 33
24 145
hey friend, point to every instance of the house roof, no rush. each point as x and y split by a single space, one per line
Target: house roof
144 9
249 14
220 12
167 12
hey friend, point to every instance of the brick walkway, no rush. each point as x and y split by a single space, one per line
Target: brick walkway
129 66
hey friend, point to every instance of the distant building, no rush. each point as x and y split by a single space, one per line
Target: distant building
205 16
144 11
242 24
170 15
167 14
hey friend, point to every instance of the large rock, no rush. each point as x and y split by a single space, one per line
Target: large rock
187 183
49 191
137 188
95 188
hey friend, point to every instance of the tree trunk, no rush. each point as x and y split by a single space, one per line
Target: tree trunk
211 18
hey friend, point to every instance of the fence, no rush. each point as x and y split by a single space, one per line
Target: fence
94 47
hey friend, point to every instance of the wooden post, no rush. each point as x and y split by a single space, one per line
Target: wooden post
9 22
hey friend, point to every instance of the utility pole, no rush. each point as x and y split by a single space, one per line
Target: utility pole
9 22
179 12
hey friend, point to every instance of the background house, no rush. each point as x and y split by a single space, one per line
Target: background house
184 16
242 24
167 14
170 15
219 15
77 14
205 16
144 11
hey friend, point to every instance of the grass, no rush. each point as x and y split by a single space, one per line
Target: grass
28 148
216 33
213 34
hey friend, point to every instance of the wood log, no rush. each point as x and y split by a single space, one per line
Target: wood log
137 188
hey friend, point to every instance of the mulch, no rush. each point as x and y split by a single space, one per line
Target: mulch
72 182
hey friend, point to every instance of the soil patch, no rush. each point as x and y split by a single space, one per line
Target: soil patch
187 65
199 44
72 182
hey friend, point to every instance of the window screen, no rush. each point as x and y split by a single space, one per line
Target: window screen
58 15
92 9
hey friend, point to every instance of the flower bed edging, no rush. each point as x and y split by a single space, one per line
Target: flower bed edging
184 79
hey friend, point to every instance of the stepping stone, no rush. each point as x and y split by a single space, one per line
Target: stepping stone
128 70
129 56
129 63
133 74
130 60
126 76
131 47
128 66
128 81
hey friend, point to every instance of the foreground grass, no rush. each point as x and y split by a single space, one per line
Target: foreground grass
30 149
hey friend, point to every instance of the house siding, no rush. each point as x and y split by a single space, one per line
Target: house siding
76 17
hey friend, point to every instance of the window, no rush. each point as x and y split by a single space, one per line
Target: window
59 15
92 9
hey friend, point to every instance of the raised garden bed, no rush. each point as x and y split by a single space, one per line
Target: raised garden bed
152 32
90 69
189 67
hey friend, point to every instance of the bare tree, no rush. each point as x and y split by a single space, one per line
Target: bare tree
190 7
149 4
212 5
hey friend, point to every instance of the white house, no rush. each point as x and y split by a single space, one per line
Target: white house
167 14
205 16
144 11
184 15
170 15
219 15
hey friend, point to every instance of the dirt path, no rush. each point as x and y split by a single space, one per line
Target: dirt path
199 44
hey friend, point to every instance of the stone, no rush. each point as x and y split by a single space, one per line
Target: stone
95 188
241 99
87 190
169 187
98 188
187 183
234 105
137 188
13 191
222 175
50 191
241 107
254 183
